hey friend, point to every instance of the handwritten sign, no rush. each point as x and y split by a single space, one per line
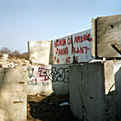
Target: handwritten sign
75 48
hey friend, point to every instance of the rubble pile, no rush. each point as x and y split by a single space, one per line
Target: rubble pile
13 62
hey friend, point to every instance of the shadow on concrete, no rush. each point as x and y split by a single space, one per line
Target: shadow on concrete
113 100
50 109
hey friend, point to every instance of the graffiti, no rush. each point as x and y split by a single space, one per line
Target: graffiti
82 38
38 75
77 39
59 75
41 75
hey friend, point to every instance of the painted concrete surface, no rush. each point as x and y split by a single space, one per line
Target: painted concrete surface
60 79
48 79
39 79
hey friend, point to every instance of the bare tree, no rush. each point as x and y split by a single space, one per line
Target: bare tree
14 53
5 50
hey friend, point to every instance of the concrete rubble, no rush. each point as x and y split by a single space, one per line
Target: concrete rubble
91 84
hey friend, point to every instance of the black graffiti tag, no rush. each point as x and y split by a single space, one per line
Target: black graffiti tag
58 74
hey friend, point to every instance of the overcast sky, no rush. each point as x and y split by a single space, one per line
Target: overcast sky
22 20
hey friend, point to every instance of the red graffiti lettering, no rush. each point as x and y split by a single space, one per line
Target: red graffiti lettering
86 49
59 42
54 57
42 74
77 39
81 50
45 78
68 60
85 37
58 60
55 44
63 51
69 40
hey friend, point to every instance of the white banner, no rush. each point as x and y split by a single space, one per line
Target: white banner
75 48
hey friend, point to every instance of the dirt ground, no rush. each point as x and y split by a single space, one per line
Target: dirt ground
43 108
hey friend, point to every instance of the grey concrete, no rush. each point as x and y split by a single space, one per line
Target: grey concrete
87 91
60 79
106 33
